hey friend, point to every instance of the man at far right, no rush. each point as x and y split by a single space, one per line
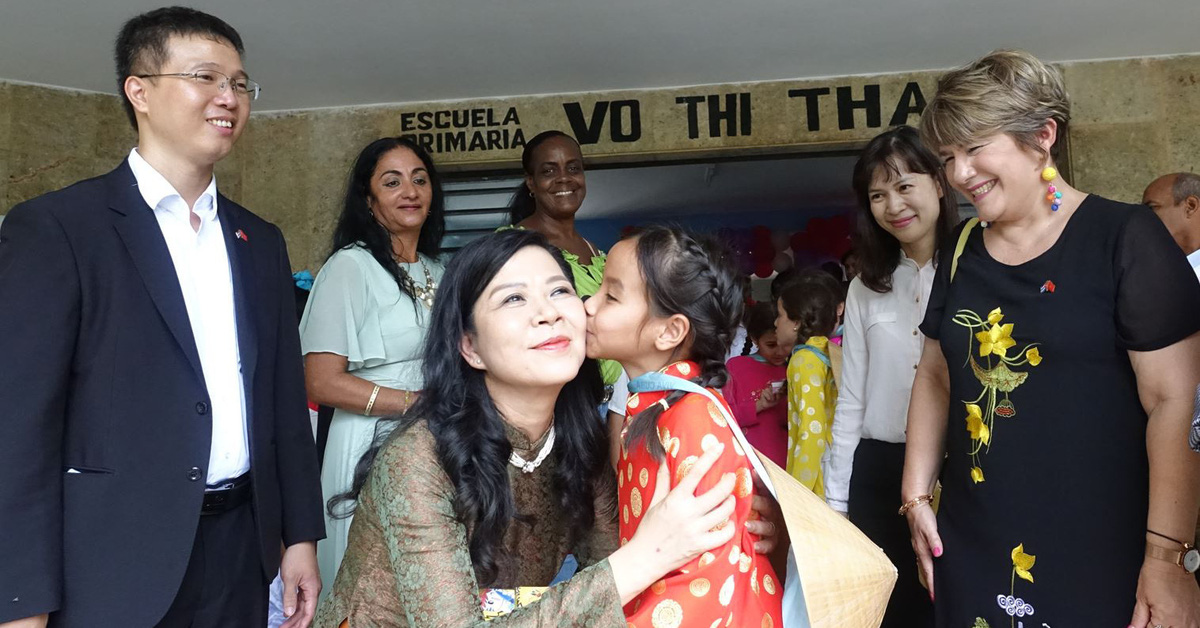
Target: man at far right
1175 198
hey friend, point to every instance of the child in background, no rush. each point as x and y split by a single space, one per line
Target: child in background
806 316
757 390
670 302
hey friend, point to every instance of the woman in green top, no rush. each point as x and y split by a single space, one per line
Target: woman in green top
549 198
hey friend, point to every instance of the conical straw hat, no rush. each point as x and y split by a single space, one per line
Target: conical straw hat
846 578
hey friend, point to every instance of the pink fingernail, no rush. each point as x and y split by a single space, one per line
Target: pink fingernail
937 551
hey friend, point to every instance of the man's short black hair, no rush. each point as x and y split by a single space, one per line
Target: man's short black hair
142 44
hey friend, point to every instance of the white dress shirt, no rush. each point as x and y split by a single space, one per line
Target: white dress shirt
1194 260
880 351
202 265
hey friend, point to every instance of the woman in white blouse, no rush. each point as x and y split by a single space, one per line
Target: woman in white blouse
906 211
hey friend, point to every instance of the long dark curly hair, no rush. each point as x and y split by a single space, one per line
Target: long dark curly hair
356 225
468 430
695 276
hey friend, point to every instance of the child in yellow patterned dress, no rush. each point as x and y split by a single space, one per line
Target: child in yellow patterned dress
806 313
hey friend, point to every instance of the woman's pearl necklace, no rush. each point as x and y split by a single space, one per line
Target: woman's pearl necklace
527 466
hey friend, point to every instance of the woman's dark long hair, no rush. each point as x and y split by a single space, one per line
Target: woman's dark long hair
695 276
356 224
522 204
878 250
469 432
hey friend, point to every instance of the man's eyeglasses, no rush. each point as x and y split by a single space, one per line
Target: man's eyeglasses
242 87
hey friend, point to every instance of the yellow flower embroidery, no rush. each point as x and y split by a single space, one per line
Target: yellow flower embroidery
994 369
1022 562
997 340
979 430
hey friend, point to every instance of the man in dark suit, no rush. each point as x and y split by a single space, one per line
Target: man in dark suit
156 451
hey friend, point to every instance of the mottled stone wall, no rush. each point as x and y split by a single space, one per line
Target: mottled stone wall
51 138
1134 119
293 169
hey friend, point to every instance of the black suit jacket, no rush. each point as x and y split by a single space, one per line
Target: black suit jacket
99 372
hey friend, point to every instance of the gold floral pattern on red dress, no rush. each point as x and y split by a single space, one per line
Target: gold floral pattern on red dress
721 587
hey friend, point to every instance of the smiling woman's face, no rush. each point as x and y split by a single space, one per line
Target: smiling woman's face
400 191
905 204
529 324
557 182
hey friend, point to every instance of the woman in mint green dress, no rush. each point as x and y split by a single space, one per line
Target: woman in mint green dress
364 327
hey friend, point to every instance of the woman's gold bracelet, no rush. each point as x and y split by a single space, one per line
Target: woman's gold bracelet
914 502
371 401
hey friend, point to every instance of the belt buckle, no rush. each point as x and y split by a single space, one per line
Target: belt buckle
218 499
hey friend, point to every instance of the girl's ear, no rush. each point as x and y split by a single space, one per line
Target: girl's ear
673 333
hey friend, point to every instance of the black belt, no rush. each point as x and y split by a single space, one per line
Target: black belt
226 496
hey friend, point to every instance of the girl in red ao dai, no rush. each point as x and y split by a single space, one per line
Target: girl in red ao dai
670 302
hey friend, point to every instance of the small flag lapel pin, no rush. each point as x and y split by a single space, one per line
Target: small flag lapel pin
1048 286
241 235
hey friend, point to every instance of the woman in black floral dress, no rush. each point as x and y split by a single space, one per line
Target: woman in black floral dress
1057 377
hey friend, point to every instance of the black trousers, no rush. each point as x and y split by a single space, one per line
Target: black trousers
874 498
224 585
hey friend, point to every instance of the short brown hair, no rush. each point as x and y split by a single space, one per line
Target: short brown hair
1007 91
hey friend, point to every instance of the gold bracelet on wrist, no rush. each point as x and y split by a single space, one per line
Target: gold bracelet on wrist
914 502
371 401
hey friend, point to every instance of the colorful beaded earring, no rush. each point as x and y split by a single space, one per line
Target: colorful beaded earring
1052 193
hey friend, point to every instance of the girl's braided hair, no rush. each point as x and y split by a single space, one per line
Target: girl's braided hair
694 276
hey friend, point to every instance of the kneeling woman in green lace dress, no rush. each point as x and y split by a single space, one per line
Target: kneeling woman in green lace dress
499 472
